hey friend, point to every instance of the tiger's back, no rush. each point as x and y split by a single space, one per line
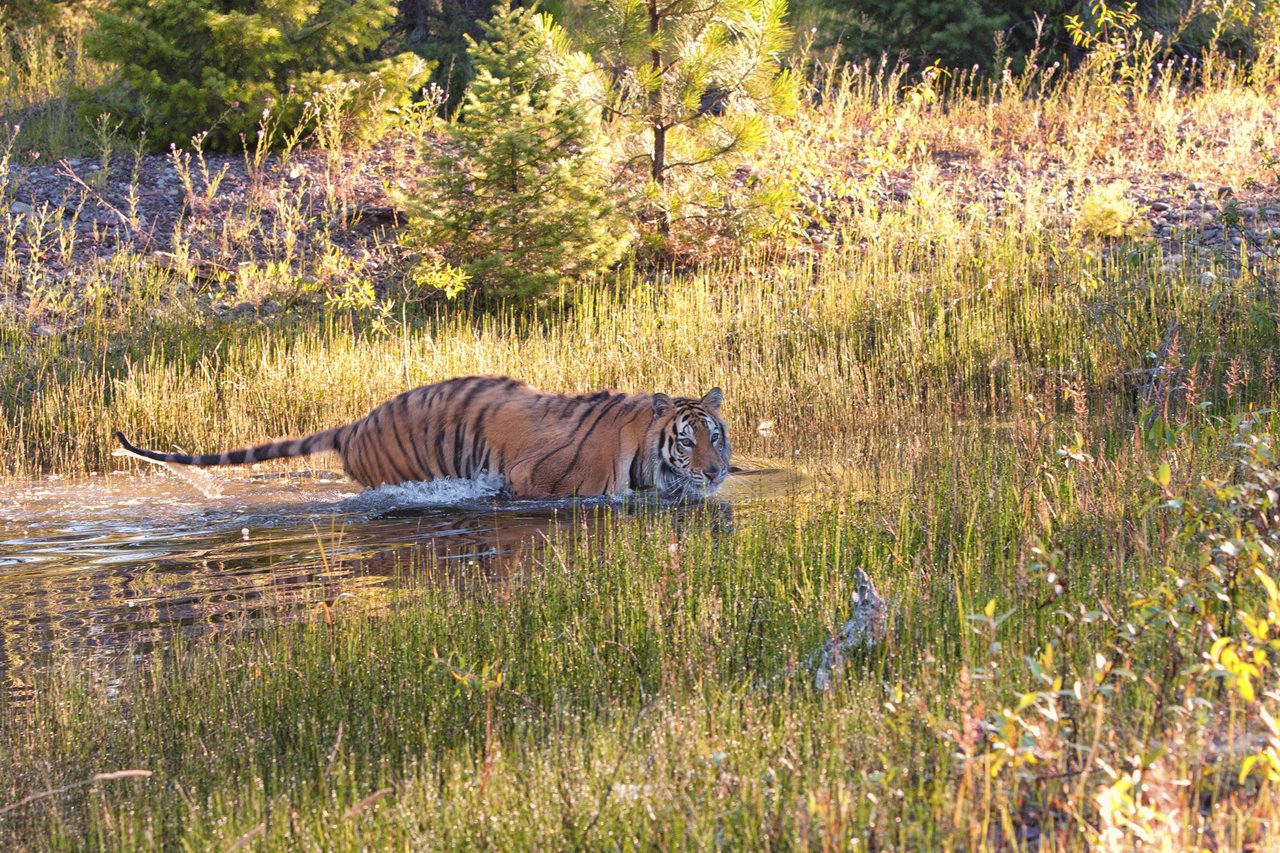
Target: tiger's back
541 444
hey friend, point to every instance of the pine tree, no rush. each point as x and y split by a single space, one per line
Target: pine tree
189 66
696 78
518 197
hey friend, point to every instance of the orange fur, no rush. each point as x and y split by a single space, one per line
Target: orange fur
543 445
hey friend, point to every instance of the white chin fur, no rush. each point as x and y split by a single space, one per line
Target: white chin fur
690 488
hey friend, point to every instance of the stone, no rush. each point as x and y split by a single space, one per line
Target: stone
865 628
20 208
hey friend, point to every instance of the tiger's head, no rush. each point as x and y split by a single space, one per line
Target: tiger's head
692 452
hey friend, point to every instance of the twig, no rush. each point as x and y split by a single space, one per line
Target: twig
92 780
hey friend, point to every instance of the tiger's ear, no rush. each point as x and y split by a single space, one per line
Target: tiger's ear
662 404
713 399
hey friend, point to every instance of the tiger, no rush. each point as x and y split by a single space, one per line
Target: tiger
539 444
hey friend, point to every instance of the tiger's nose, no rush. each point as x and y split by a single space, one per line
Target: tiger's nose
712 473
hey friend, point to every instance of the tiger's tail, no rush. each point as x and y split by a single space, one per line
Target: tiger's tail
306 445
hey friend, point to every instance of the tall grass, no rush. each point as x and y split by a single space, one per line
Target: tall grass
649 688
972 321
41 62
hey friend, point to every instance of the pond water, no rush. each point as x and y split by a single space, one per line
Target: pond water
94 568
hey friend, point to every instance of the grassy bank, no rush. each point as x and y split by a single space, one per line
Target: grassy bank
992 319
650 687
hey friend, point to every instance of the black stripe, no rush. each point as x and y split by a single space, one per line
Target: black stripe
478 442
377 460
415 445
352 457
636 474
430 395
461 452
436 456
343 437
395 432
604 410
463 406
388 458
311 441
418 437
576 427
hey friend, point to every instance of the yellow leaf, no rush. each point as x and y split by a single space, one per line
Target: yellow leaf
1273 592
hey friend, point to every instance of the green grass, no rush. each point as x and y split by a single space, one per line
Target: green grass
647 686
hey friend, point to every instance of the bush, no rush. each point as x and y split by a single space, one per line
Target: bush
517 197
188 66
956 33
1106 212
437 30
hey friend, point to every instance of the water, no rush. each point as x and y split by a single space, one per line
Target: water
97 568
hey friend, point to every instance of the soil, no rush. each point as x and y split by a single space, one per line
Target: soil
210 217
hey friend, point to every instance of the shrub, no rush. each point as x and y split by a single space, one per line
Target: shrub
517 197
1105 212
955 33
187 66
437 30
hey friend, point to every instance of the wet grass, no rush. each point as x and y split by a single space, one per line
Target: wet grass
651 689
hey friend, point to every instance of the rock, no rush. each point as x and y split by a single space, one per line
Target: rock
1225 192
1207 277
43 331
1160 206
866 628
20 208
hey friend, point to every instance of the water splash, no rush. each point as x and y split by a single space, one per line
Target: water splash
447 491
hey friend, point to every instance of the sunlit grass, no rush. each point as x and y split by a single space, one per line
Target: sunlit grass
646 687
970 324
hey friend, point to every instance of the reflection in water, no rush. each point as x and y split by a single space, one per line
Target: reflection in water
93 569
